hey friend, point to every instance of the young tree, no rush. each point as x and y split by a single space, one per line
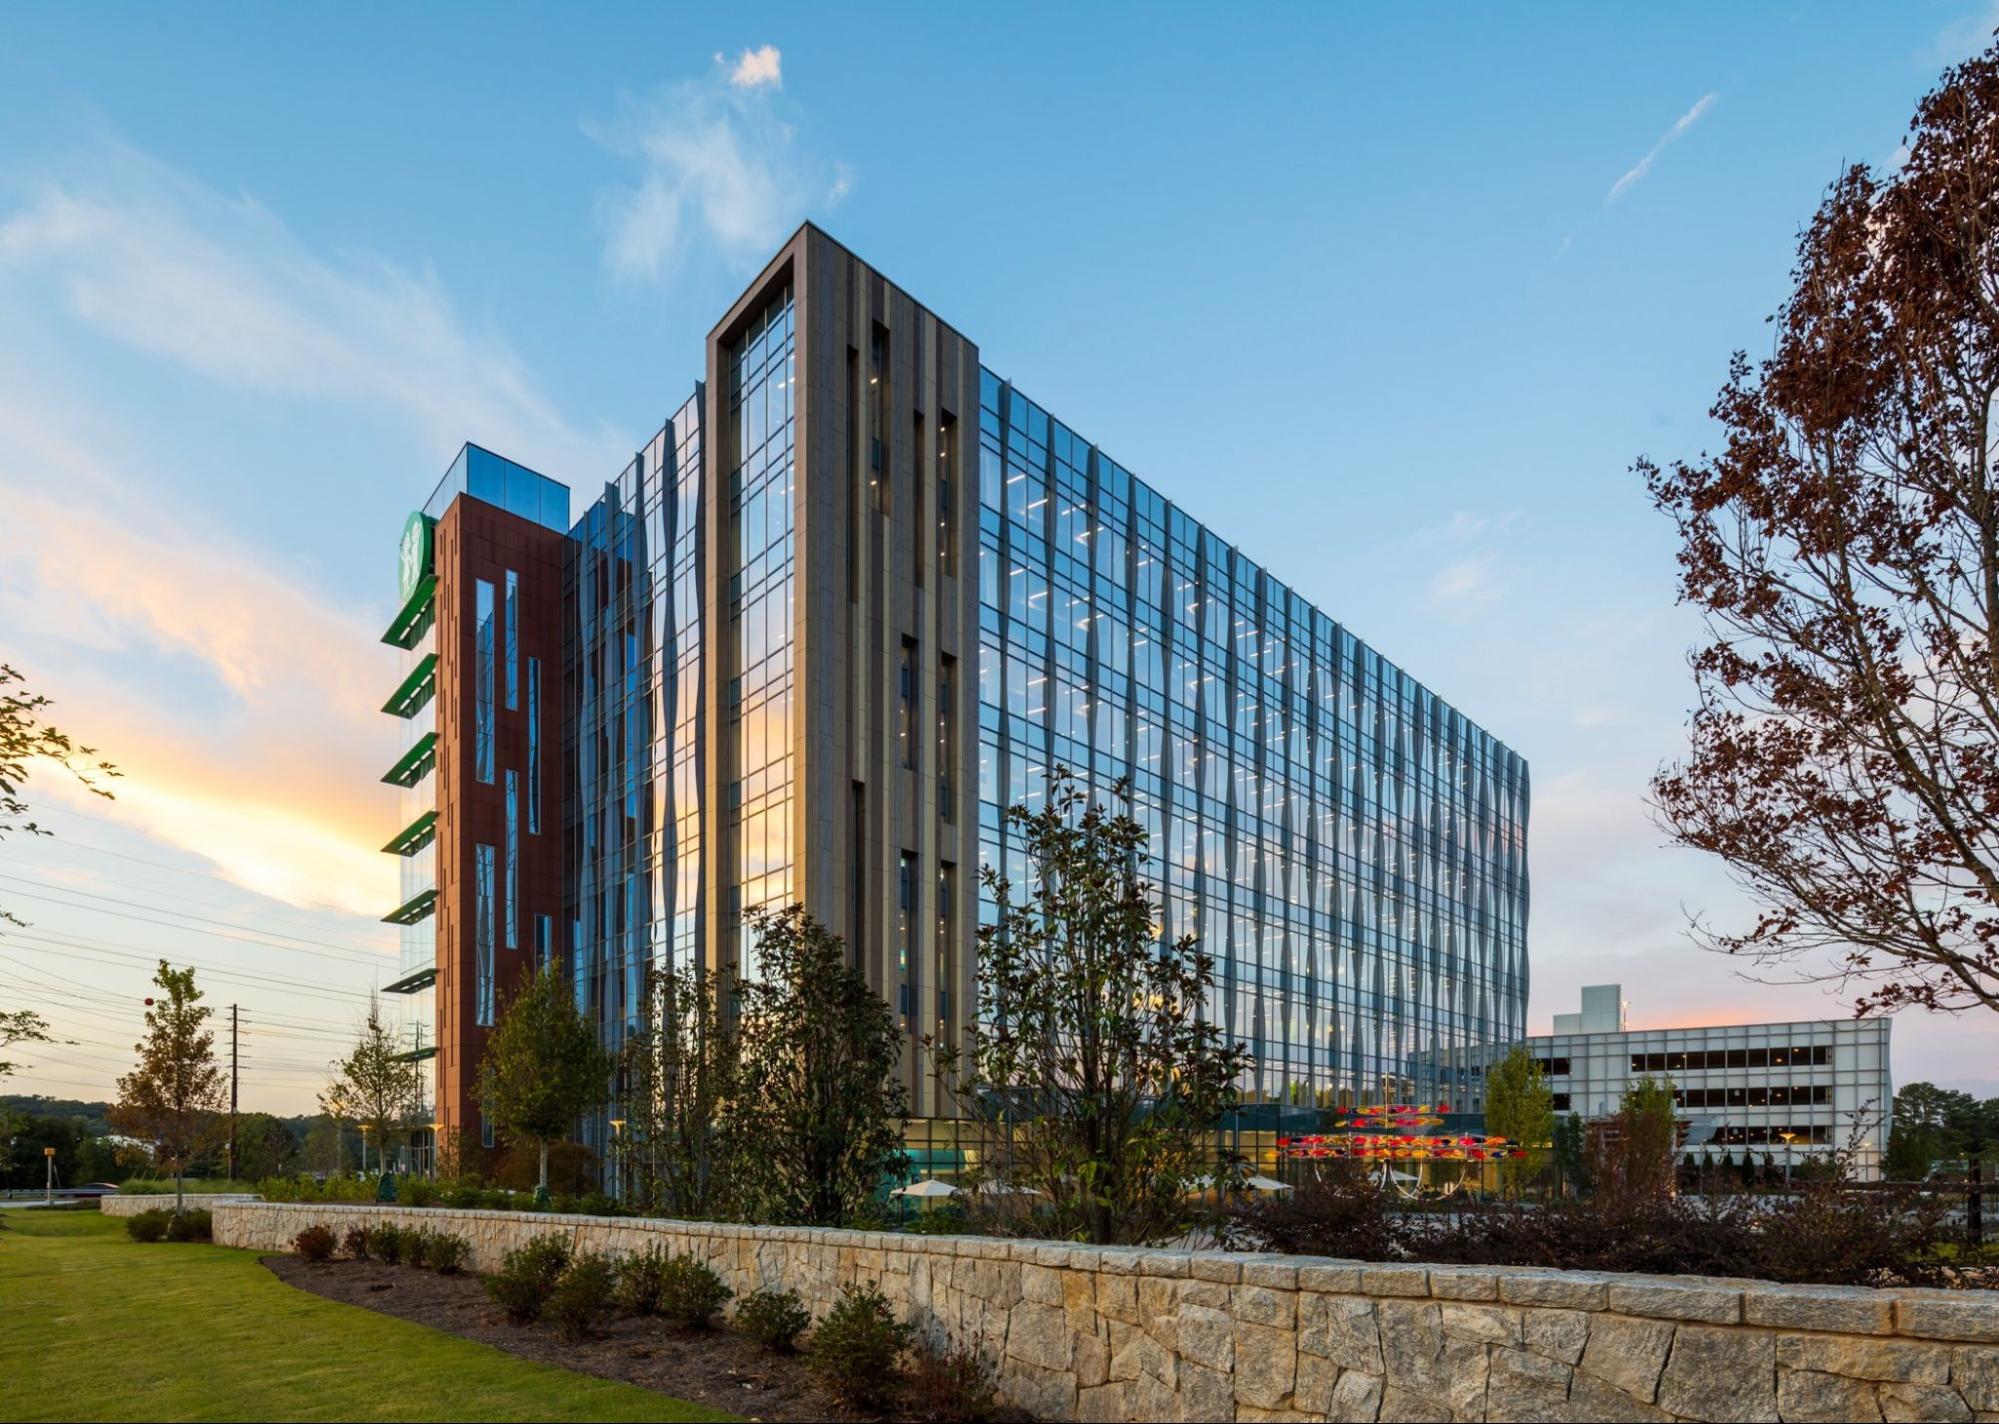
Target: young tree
1634 1150
1520 1107
1093 1064
172 1095
679 1074
544 1067
1571 1152
1844 548
374 1085
816 1121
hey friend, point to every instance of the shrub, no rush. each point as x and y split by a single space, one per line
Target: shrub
355 1242
773 1318
308 1189
951 1386
641 1278
416 1246
857 1346
148 1225
583 1297
1338 1210
448 1253
197 1225
417 1191
690 1291
385 1243
464 1197
315 1243
1832 1233
527 1276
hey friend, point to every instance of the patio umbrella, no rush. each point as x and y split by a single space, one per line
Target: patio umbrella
928 1187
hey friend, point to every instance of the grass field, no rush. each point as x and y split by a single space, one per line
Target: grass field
99 1327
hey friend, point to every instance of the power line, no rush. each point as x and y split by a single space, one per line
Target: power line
308 919
324 948
42 943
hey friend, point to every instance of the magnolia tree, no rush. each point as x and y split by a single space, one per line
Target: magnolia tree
1843 545
814 1124
171 1098
1093 1066
544 1066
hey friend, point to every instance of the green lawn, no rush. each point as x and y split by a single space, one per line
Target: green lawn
95 1326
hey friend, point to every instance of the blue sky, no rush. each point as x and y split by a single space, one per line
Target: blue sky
1391 298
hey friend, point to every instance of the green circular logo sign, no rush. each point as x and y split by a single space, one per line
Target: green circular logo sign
415 554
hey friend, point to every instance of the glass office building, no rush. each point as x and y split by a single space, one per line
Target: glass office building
858 596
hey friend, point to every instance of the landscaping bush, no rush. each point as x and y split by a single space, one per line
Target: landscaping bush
196 1225
355 1242
386 1242
583 1297
641 1279
527 1276
1828 1232
308 1189
315 1243
773 1318
1832 1233
857 1347
950 1386
148 1225
448 1253
417 1191
464 1196
691 1292
1338 1210
416 1246
192 1186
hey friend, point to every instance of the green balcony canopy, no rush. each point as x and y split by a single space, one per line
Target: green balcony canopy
409 622
417 1055
413 909
417 689
415 764
415 836
413 983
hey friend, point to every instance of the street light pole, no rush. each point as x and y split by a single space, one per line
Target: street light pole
1789 1138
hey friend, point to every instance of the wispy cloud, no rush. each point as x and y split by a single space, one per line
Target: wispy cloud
1964 36
221 286
1465 585
755 68
1638 170
721 163
183 654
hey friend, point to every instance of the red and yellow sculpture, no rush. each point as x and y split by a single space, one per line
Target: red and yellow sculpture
1393 1133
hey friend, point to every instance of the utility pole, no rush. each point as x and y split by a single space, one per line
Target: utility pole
233 1083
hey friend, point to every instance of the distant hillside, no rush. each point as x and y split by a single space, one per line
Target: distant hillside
95 1115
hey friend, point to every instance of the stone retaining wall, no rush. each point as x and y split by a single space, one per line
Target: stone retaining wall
1120 1334
136 1202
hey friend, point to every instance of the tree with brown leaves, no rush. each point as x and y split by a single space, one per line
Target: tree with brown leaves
1844 549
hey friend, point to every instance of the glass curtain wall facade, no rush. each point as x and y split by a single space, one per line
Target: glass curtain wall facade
1349 847
632 673
762 374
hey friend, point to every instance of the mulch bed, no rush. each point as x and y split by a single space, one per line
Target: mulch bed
718 1368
